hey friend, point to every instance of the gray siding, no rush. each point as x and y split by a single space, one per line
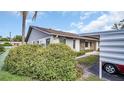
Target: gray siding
112 47
35 35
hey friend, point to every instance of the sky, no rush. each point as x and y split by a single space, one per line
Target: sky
74 22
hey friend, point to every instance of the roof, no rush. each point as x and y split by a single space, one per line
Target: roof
55 32
50 31
102 32
98 34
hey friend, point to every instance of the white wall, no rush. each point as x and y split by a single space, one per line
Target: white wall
54 40
43 40
41 37
97 45
77 47
36 35
69 42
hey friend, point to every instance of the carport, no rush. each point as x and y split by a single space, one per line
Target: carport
111 44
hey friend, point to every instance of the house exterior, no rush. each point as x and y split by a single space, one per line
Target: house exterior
45 36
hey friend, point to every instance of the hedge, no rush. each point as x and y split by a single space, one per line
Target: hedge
7 44
89 50
55 62
82 52
2 49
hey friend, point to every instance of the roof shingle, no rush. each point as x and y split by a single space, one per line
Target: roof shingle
56 32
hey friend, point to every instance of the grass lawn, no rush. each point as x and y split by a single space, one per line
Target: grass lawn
6 76
88 61
2 57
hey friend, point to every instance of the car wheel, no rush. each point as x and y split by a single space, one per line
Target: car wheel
110 68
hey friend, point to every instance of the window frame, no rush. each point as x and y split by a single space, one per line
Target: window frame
38 42
86 44
74 43
91 43
62 40
47 42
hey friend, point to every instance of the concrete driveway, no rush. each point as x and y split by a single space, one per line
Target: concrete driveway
95 70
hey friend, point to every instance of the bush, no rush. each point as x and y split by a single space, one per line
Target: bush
2 49
7 44
55 62
89 50
82 52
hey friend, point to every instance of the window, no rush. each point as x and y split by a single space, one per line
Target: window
37 42
74 44
62 40
86 44
33 42
47 41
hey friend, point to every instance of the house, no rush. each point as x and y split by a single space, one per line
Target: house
45 36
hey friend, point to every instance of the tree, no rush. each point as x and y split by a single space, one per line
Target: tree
17 38
4 39
24 15
118 26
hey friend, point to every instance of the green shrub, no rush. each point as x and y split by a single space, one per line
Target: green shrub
4 39
55 62
82 52
88 50
7 44
2 49
19 58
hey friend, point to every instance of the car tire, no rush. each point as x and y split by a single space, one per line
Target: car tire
110 68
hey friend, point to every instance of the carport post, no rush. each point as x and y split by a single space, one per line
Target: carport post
100 69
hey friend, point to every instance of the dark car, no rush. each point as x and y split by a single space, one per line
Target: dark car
113 68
